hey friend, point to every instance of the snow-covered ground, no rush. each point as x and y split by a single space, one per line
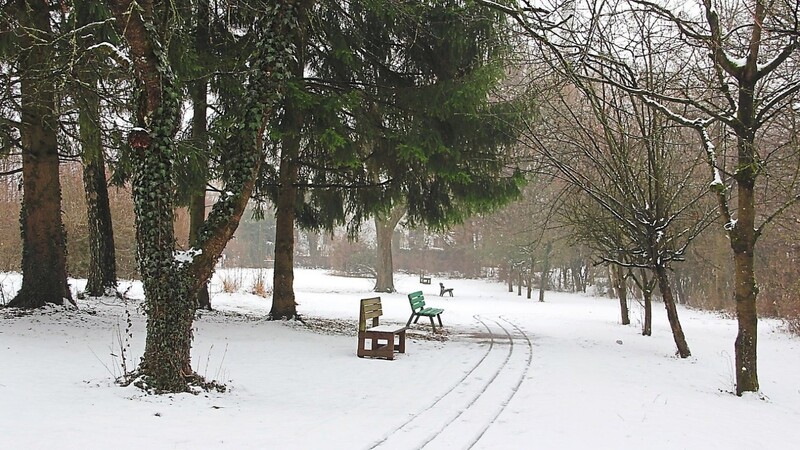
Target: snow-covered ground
511 373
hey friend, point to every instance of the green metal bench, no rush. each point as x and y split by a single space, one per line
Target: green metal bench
418 309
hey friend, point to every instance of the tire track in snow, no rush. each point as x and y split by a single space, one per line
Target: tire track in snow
522 377
460 417
439 399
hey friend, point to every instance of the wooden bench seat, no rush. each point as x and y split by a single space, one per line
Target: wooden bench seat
383 340
418 309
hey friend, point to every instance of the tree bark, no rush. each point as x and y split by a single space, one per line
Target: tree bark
647 326
529 278
544 281
647 287
199 95
44 253
621 288
102 277
743 240
384 227
283 300
672 312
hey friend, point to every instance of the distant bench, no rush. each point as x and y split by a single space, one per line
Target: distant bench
423 279
418 309
443 290
381 337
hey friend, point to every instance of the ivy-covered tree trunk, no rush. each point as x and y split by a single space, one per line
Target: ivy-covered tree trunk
672 312
44 253
384 228
170 284
102 277
166 362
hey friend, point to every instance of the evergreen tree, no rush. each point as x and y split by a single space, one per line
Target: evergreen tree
44 255
87 23
398 112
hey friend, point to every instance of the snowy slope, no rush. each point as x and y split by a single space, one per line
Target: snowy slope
507 373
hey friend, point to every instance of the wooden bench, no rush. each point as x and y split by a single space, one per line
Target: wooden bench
443 290
423 279
381 337
418 309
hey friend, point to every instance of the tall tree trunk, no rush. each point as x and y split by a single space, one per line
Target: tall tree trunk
102 277
384 227
519 281
544 281
743 241
283 301
199 95
44 252
672 312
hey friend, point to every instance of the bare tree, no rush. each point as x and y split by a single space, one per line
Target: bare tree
737 67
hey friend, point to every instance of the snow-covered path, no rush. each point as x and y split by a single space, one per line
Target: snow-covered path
459 417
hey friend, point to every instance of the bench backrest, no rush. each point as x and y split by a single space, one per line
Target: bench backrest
417 300
370 309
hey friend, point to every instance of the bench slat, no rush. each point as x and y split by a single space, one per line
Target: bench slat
387 329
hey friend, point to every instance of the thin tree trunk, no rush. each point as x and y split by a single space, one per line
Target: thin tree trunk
519 282
102 277
510 277
530 277
647 326
199 95
672 312
384 227
743 239
621 288
647 287
544 281
283 302
44 253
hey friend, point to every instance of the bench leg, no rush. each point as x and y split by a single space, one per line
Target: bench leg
401 342
409 319
417 319
433 325
439 316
